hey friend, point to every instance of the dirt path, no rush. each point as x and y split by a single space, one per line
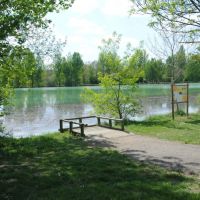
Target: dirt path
173 155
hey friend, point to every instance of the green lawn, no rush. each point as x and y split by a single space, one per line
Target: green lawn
60 166
183 129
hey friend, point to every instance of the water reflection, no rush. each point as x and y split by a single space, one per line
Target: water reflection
37 111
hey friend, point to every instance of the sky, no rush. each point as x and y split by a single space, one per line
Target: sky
87 22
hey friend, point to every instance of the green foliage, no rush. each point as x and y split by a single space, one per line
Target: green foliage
77 67
176 65
192 72
118 82
180 112
154 71
117 96
68 71
16 18
18 15
5 93
90 74
59 62
109 61
181 15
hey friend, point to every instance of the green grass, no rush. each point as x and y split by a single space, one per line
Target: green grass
183 129
60 166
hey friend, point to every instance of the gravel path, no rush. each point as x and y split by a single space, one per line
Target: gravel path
173 155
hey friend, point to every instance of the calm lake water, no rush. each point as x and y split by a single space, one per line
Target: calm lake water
37 111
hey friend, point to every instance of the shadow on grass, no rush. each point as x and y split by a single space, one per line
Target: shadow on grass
63 167
151 122
197 122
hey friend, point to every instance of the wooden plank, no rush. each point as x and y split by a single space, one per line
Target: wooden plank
77 118
118 129
110 118
61 126
172 91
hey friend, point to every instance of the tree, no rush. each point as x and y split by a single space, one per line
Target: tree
109 60
68 70
58 70
176 64
180 14
154 71
77 67
16 18
45 47
24 68
90 73
43 43
138 61
116 97
38 73
166 48
192 72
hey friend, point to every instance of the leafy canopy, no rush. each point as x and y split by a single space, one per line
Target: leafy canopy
18 15
16 19
118 82
180 15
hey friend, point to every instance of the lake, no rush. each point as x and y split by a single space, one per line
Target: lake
38 110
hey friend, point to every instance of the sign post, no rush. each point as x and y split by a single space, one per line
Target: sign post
172 90
180 94
187 99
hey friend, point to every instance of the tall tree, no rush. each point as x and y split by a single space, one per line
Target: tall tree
90 73
77 67
154 71
166 47
117 97
109 60
192 72
18 15
58 69
138 60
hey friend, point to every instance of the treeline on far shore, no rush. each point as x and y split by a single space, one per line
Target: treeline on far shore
30 71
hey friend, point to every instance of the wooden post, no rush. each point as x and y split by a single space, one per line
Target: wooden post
82 130
122 124
110 123
172 91
187 99
70 127
80 120
61 126
98 121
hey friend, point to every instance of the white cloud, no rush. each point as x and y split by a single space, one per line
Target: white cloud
86 46
89 21
119 8
85 26
85 6
134 42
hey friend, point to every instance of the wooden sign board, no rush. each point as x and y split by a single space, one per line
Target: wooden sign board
180 95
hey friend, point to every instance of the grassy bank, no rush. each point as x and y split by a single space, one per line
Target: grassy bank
64 167
183 129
